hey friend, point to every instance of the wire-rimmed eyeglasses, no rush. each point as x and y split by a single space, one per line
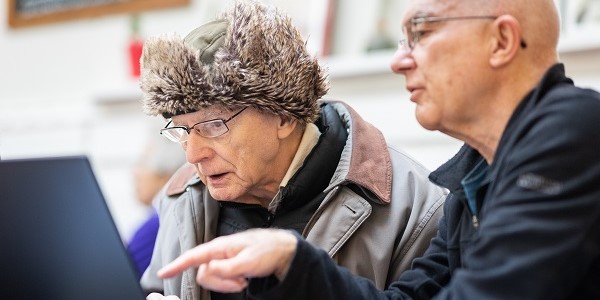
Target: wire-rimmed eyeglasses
209 129
413 32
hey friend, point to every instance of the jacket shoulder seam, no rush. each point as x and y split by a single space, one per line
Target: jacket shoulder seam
422 224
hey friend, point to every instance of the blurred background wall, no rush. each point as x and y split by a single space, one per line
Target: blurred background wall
66 88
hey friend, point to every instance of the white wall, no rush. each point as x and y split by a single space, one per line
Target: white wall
65 89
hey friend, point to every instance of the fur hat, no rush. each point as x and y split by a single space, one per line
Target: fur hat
252 55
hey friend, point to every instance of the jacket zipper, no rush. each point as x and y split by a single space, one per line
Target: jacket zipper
475 221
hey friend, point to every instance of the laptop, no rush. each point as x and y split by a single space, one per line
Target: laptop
57 237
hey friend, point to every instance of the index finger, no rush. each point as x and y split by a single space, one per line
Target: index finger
192 258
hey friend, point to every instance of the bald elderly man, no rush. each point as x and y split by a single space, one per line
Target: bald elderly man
523 217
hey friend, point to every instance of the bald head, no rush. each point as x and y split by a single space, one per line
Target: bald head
539 21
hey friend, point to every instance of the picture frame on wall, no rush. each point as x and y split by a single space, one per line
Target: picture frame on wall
27 13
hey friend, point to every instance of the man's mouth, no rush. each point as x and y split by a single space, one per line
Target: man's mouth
414 93
217 176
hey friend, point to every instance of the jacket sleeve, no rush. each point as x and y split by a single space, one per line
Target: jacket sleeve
150 281
168 246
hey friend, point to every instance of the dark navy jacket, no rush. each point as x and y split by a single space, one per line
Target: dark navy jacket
533 233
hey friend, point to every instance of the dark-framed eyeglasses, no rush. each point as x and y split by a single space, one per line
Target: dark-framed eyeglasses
209 129
413 32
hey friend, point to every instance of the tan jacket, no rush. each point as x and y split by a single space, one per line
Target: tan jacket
374 236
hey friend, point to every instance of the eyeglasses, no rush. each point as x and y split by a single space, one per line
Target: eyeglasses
209 129
413 34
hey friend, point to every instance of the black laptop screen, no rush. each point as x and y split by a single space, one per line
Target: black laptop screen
58 239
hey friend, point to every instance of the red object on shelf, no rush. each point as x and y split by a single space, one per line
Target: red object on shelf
135 53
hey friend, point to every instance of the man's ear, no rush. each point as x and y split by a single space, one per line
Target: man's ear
507 40
286 126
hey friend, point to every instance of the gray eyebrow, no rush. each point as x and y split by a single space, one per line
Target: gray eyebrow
210 116
416 15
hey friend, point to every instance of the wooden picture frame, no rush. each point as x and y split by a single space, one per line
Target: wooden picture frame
25 13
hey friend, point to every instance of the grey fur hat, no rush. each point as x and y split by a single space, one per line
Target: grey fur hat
251 55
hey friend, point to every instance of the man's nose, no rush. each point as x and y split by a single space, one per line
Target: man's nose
197 148
402 61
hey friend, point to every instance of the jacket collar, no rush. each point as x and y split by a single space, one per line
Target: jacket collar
454 170
555 75
365 160
314 174
185 176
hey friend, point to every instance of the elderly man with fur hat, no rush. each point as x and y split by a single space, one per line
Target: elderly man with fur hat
242 97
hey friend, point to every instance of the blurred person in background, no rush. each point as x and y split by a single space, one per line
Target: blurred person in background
242 96
158 162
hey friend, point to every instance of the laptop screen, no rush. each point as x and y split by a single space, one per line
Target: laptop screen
58 239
